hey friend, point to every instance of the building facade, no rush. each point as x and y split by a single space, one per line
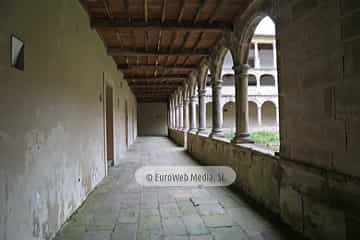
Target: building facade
262 88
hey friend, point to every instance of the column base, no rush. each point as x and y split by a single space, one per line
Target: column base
216 133
192 130
185 130
201 131
242 138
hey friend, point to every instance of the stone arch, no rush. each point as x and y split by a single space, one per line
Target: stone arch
267 80
246 25
268 113
202 76
253 114
229 115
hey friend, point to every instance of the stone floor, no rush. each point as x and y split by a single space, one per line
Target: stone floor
120 209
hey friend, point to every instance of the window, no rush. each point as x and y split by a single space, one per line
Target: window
17 53
267 80
252 80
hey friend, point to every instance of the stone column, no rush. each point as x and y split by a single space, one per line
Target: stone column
193 113
256 55
170 114
202 111
241 103
176 116
173 114
181 115
186 114
217 119
275 54
259 112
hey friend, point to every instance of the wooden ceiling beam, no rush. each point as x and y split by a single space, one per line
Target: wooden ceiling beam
155 84
199 10
181 13
164 78
108 9
160 67
154 52
189 26
146 10
163 11
219 3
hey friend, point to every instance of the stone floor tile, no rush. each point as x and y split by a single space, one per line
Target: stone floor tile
169 210
210 209
202 237
124 232
149 212
173 226
229 233
224 220
97 235
176 238
150 223
128 215
195 225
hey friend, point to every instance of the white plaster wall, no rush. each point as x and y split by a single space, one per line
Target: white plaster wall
52 121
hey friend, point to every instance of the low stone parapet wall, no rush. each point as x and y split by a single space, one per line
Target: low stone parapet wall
319 203
178 136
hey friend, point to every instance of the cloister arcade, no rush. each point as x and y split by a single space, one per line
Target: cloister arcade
221 99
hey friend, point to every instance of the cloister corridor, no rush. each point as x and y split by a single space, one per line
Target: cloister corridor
91 91
121 209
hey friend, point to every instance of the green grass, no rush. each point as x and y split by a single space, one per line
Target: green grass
265 138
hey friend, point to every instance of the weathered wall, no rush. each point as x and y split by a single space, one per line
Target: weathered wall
320 109
177 136
152 119
52 124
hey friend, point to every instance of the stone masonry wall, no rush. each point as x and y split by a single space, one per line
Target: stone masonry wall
177 136
320 204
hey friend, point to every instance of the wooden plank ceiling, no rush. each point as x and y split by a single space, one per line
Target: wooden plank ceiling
158 43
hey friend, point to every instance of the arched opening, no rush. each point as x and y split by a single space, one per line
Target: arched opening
268 114
252 80
253 116
261 56
267 80
229 117
209 115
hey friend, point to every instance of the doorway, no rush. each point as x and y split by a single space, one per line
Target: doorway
109 115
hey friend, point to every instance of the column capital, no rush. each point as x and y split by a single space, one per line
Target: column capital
202 92
186 101
193 98
241 69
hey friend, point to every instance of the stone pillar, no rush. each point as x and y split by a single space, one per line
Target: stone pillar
256 55
217 119
186 114
170 114
173 114
181 116
202 111
176 116
275 54
241 103
193 113
259 112
277 115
